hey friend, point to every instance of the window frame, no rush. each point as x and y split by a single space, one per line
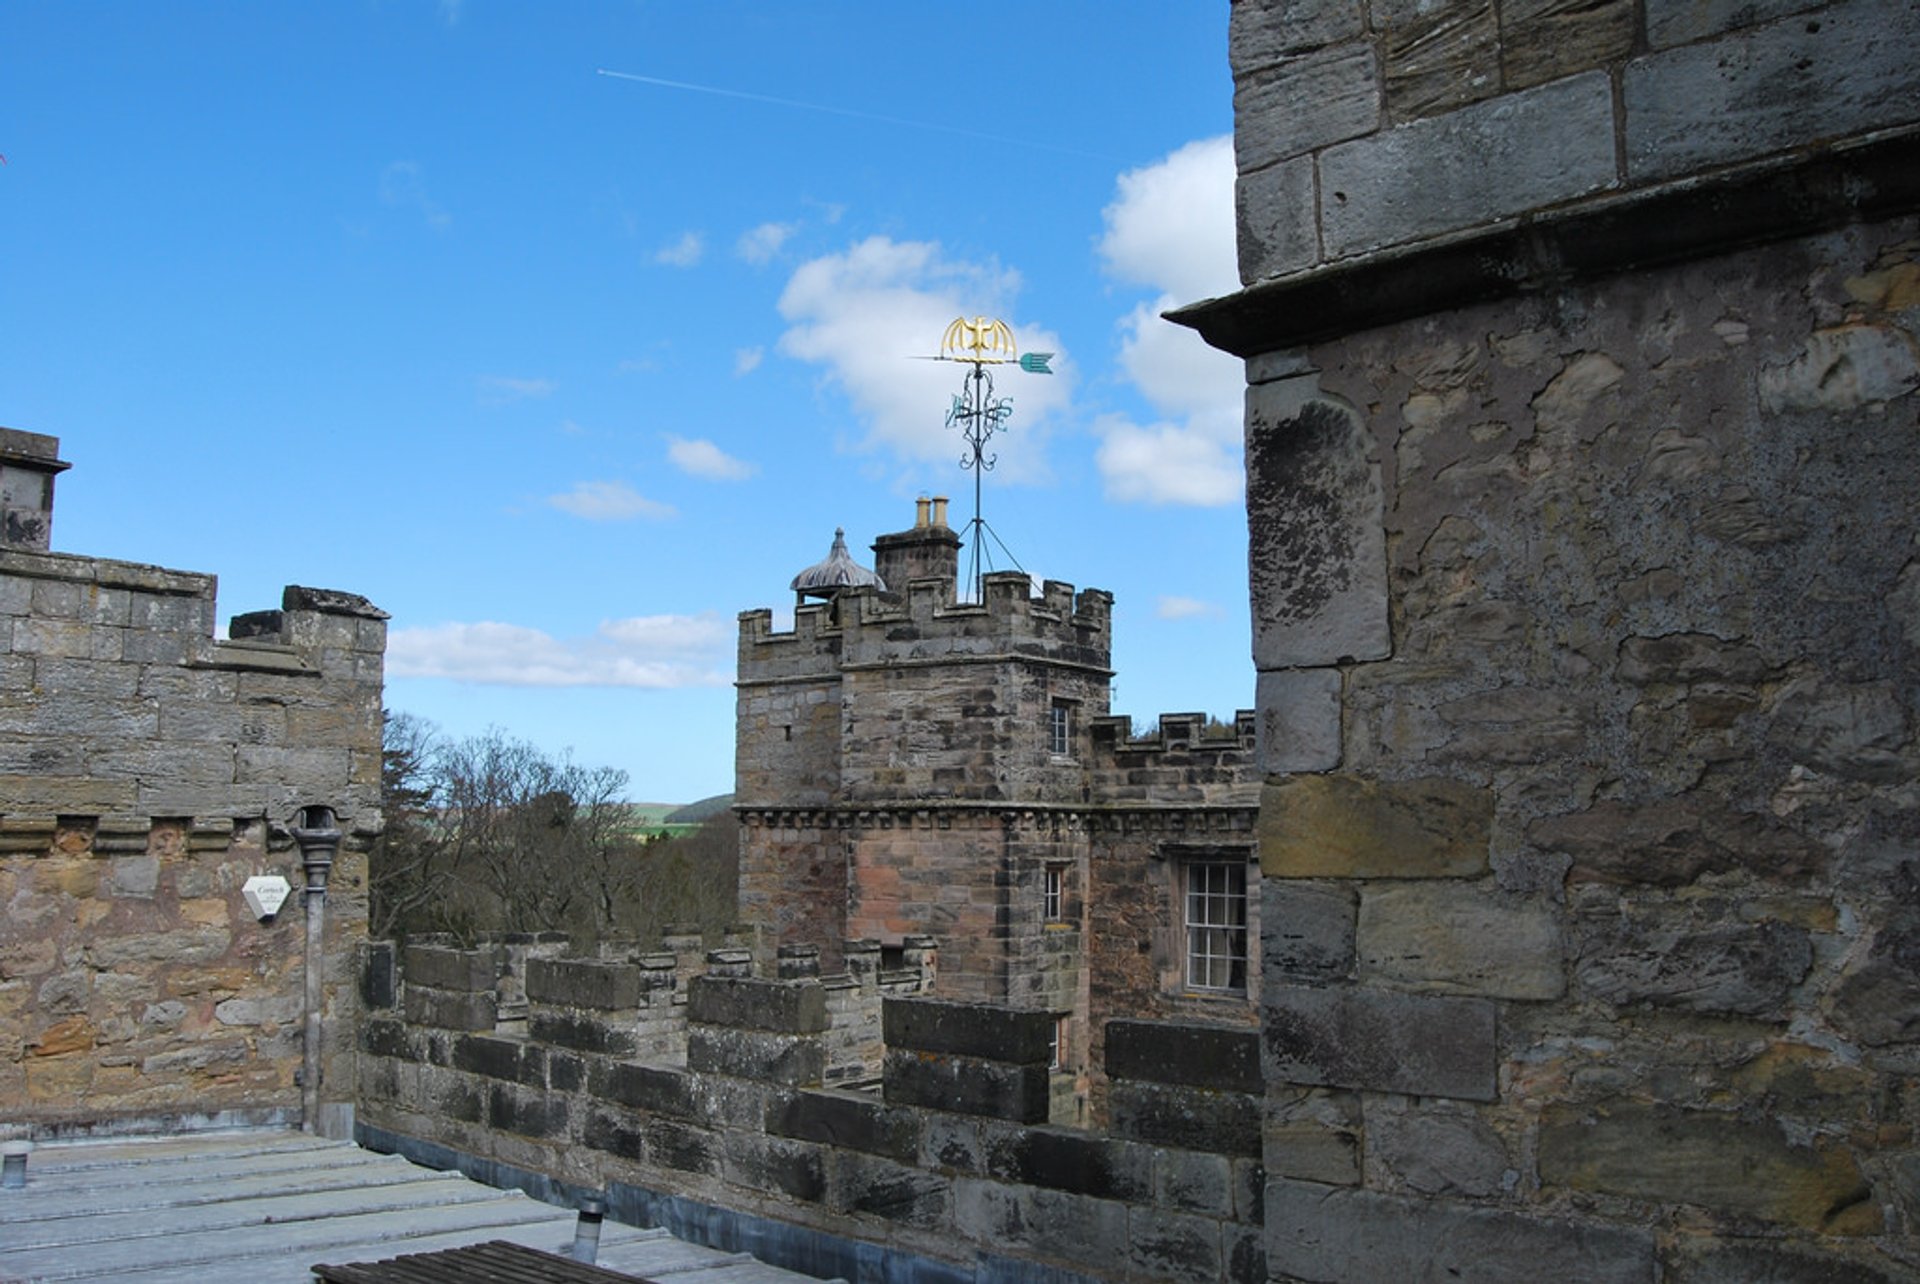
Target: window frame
1220 899
1060 728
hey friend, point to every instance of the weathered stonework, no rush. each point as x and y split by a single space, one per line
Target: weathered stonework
146 772
1621 302
898 777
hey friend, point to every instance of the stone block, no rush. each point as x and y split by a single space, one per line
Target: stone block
1679 22
486 1055
1458 938
848 1121
1673 842
1312 1135
1354 1037
781 1007
1059 1159
1340 826
1299 720
1438 57
582 1031
1662 955
1202 1056
756 1054
1197 1183
1051 1223
1331 1233
1274 214
527 1114
380 1038
1261 32
687 1149
615 1132
1316 537
1878 998
980 1030
875 1187
1669 1156
659 1090
1305 102
1542 40
583 983
449 1009
447 969
1469 167
1223 1123
1162 1244
379 976
1769 88
764 1163
1437 1148
1768 1261
1306 931
966 1085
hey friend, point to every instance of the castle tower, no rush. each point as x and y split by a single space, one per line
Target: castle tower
881 744
1583 434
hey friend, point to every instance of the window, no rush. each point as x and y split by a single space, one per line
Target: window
1060 728
1057 1044
1051 900
1216 922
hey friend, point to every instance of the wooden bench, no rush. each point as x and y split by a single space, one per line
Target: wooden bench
494 1262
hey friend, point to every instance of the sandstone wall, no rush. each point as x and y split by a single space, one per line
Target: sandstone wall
1608 906
1581 426
146 771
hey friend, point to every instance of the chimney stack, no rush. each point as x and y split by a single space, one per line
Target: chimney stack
28 464
928 551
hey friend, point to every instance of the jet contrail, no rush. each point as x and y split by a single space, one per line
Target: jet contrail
846 111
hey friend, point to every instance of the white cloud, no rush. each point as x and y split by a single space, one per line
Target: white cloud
402 186
615 501
658 651
868 313
760 244
1171 228
683 253
1166 464
704 459
499 389
747 360
1184 608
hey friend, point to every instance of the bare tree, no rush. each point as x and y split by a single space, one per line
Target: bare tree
489 833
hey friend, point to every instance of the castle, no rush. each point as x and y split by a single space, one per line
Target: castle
911 764
1583 431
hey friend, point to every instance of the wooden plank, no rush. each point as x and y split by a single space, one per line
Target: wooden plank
494 1262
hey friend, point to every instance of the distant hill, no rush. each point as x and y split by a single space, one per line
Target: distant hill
695 812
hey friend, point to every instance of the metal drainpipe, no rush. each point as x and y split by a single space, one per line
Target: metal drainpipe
319 839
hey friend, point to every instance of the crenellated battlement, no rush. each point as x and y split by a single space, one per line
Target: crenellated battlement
865 626
1173 733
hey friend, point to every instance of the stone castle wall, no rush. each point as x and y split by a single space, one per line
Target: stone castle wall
1582 435
146 771
948 1172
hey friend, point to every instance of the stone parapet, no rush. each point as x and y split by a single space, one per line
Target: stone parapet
944 1188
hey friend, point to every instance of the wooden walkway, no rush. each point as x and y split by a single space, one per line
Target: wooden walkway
264 1207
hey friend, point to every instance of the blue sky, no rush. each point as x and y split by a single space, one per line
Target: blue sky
565 369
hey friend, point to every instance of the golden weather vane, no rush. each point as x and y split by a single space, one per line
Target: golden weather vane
983 342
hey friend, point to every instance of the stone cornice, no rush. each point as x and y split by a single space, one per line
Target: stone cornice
1811 191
